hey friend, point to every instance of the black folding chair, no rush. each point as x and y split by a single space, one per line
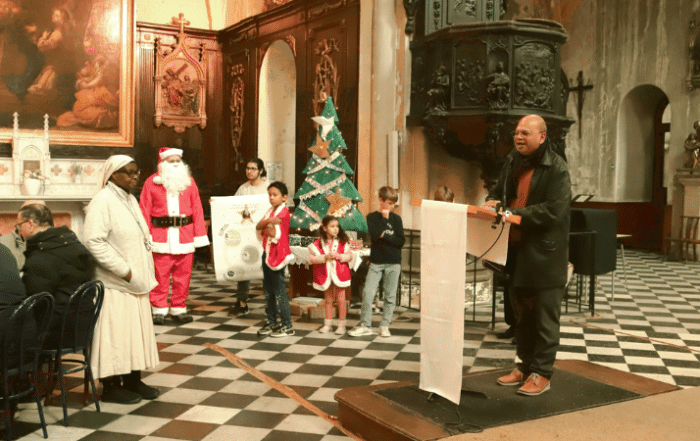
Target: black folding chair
22 338
76 331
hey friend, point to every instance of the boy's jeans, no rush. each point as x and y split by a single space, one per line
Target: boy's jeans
389 273
276 298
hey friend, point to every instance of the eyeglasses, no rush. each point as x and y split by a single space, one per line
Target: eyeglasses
524 133
23 222
251 168
129 173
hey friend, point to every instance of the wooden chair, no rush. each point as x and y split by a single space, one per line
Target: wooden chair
688 238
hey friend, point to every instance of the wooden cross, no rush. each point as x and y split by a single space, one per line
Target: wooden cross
180 20
581 89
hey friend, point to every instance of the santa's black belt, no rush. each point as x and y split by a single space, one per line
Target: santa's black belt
171 221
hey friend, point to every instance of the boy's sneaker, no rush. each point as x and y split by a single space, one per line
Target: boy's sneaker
283 331
360 330
384 331
269 328
239 310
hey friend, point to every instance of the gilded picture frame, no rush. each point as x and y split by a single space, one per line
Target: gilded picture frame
72 60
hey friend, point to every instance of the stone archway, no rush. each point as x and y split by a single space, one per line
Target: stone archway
636 137
643 124
277 113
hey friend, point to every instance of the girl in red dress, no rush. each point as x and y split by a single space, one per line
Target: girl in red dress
330 255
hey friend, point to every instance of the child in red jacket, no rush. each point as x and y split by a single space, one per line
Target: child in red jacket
330 255
274 228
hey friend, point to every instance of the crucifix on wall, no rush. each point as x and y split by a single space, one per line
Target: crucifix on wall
181 79
581 88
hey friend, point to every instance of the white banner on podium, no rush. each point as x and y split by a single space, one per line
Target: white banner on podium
443 260
237 246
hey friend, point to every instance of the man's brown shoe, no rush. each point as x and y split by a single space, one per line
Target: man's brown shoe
535 385
515 378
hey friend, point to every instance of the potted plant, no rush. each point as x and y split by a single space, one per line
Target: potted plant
32 181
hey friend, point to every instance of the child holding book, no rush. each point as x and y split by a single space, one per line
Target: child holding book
330 255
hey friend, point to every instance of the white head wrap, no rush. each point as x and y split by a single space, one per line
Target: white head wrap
114 163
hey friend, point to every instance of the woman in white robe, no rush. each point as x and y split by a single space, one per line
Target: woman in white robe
117 235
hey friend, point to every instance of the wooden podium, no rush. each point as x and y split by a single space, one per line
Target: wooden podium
479 213
449 232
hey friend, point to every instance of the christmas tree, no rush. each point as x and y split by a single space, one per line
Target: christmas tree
327 188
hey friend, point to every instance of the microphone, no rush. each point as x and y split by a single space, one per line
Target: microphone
499 215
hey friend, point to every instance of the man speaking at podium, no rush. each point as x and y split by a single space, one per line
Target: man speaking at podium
535 184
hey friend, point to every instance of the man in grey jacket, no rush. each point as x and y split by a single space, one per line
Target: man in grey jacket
535 184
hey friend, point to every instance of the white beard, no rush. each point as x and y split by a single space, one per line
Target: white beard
175 177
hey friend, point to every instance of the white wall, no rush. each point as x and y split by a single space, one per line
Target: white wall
277 109
162 11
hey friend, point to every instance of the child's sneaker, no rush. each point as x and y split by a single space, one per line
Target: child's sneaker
360 330
384 331
340 330
283 331
326 326
269 328
239 310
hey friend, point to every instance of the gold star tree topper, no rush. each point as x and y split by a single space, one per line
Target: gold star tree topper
337 201
321 147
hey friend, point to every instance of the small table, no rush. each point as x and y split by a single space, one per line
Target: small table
620 239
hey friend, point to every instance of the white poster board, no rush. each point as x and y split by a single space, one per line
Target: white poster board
237 246
488 241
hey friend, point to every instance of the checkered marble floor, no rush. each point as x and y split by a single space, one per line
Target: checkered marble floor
652 328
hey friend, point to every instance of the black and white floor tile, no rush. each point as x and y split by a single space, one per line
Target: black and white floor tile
651 327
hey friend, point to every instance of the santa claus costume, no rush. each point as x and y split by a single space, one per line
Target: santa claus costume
173 210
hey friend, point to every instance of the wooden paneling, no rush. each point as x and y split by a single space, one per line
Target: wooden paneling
215 165
303 24
202 148
647 224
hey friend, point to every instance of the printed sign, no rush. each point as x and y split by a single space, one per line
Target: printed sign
237 246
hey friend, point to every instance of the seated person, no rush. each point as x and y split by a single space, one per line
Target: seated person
56 262
16 246
14 242
12 291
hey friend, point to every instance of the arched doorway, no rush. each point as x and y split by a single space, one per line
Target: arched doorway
277 113
644 123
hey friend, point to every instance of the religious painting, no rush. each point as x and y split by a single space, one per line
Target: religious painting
72 60
180 85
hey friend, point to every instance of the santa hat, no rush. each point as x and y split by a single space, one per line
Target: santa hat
164 152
